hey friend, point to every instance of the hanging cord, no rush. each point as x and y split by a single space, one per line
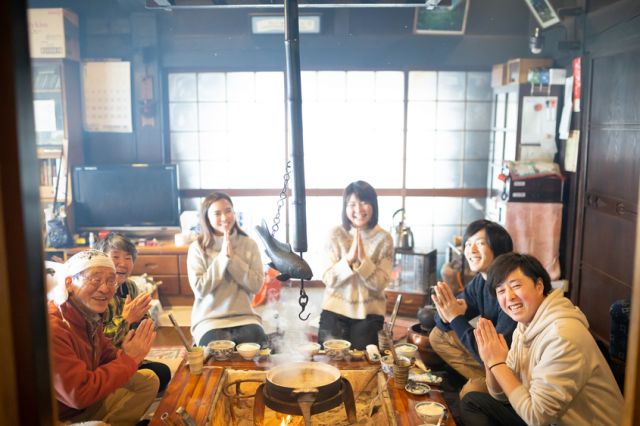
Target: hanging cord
282 200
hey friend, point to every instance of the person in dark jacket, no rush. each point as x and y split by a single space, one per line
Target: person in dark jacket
453 337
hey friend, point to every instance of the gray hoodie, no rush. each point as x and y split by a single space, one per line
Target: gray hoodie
565 379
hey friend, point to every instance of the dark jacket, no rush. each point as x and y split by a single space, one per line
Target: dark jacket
481 302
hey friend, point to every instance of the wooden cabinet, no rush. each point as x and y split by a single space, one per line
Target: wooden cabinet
411 301
168 264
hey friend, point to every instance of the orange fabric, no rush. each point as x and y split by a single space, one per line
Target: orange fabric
270 289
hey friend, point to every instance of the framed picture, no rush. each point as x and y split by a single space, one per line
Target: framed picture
543 12
446 20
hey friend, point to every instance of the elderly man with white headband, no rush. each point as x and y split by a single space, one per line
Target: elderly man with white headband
92 379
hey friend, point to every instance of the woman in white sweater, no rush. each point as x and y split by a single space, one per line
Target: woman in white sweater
225 270
360 257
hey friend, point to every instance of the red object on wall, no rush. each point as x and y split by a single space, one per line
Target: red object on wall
577 67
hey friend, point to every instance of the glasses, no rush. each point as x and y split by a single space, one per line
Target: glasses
97 281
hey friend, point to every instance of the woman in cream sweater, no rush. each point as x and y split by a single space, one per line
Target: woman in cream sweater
225 270
359 262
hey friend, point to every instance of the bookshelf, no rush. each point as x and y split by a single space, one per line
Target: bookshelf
56 96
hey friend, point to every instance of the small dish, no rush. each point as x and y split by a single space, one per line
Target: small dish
416 388
357 355
417 375
264 353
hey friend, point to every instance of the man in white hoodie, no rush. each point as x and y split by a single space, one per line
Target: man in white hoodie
554 373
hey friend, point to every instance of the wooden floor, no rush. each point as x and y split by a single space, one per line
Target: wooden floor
167 336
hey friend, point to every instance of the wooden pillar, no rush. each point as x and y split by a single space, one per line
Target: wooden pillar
25 388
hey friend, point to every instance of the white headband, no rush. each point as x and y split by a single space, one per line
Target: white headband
87 259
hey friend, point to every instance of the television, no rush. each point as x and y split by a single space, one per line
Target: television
137 199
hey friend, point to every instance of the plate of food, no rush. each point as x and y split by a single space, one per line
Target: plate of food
417 388
417 375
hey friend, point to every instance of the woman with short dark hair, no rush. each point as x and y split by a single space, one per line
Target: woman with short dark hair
360 258
128 306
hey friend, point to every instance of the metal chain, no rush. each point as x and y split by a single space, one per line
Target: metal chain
304 298
282 200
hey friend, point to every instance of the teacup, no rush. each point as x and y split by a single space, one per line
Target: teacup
309 349
430 411
337 349
386 362
407 350
221 349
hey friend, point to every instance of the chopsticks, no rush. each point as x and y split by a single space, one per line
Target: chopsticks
394 313
180 333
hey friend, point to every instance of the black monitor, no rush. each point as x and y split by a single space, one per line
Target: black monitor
139 199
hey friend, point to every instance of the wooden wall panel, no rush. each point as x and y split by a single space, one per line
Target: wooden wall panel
614 162
597 292
608 250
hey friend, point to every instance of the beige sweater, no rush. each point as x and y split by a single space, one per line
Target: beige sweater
356 293
223 287
565 379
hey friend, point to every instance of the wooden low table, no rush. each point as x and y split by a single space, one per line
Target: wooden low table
196 393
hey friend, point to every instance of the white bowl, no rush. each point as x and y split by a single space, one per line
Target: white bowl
430 411
406 349
248 350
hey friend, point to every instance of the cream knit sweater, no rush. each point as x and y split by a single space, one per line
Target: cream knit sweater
222 286
356 293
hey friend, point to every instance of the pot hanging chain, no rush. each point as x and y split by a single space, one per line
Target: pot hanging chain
282 199
304 298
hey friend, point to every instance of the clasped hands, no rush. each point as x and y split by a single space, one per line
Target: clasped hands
134 310
356 252
137 343
492 347
226 243
447 305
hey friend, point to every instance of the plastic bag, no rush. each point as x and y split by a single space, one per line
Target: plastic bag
58 233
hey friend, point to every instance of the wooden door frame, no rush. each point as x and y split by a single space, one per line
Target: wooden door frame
609 36
26 385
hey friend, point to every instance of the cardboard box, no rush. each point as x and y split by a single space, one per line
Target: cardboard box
498 75
53 33
518 69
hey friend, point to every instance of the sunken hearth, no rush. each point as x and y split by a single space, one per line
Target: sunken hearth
234 401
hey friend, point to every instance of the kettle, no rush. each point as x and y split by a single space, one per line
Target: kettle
405 241
402 235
